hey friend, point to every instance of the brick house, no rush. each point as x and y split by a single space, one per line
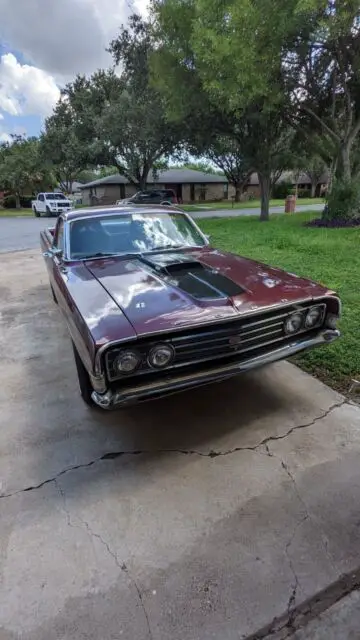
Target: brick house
189 186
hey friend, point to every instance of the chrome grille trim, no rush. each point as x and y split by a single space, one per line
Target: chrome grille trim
225 340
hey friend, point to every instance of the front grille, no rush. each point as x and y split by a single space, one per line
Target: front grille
234 340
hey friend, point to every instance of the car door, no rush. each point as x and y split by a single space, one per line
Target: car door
41 206
155 197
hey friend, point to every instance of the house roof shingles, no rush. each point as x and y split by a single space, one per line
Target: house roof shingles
191 176
171 176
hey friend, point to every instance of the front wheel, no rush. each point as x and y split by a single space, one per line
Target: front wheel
85 385
36 213
168 204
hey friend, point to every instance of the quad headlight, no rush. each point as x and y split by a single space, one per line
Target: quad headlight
294 323
305 319
127 361
314 317
160 356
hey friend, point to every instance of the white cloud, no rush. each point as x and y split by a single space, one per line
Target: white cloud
1 116
68 37
4 136
25 90
60 40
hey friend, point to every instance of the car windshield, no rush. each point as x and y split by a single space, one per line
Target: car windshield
131 233
55 196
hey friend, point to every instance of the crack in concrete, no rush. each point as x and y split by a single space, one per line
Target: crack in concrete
292 598
285 467
122 566
211 454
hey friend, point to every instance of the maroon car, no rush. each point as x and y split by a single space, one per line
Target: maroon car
153 309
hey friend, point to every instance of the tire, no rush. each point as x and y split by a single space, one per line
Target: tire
85 386
36 213
168 204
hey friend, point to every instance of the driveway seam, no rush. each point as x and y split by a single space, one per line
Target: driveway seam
210 454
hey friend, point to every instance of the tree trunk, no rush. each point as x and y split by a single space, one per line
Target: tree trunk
265 186
313 189
237 193
141 183
345 161
17 201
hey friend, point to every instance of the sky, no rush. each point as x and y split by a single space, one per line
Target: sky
43 45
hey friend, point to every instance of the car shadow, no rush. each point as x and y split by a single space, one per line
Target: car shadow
60 432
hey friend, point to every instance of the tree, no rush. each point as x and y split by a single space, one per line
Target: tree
62 150
201 65
299 58
227 154
21 167
198 165
322 69
121 120
315 169
270 146
88 175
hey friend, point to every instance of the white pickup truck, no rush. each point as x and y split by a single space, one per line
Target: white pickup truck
50 204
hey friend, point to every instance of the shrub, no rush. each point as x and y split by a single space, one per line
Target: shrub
304 193
343 201
10 201
281 190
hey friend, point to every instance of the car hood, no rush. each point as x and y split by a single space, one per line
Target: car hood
174 290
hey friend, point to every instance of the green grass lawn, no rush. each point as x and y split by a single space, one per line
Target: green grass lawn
329 256
15 213
252 204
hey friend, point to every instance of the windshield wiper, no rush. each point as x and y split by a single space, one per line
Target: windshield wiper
123 254
99 254
169 246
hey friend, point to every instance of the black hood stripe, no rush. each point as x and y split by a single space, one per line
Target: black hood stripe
191 276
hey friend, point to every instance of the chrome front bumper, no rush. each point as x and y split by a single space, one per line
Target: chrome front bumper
129 395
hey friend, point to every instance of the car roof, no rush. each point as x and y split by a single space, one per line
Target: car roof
118 209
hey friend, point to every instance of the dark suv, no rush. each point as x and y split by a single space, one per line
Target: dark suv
158 196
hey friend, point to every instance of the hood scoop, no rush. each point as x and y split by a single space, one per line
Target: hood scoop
192 277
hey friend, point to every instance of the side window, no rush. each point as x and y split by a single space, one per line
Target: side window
41 197
59 237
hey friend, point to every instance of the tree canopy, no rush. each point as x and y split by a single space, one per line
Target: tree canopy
119 120
22 170
285 64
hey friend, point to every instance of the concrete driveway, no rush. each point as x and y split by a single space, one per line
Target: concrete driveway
214 514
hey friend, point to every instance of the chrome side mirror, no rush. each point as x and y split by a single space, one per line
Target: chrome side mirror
52 253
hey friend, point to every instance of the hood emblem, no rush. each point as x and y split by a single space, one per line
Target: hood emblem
270 283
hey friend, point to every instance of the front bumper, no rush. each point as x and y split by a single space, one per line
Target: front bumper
130 395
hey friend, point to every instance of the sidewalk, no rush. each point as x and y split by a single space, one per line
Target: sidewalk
234 213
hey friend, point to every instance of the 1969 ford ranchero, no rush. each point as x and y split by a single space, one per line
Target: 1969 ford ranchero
152 308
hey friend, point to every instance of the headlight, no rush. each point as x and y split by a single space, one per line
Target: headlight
161 356
294 323
313 317
331 320
127 362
